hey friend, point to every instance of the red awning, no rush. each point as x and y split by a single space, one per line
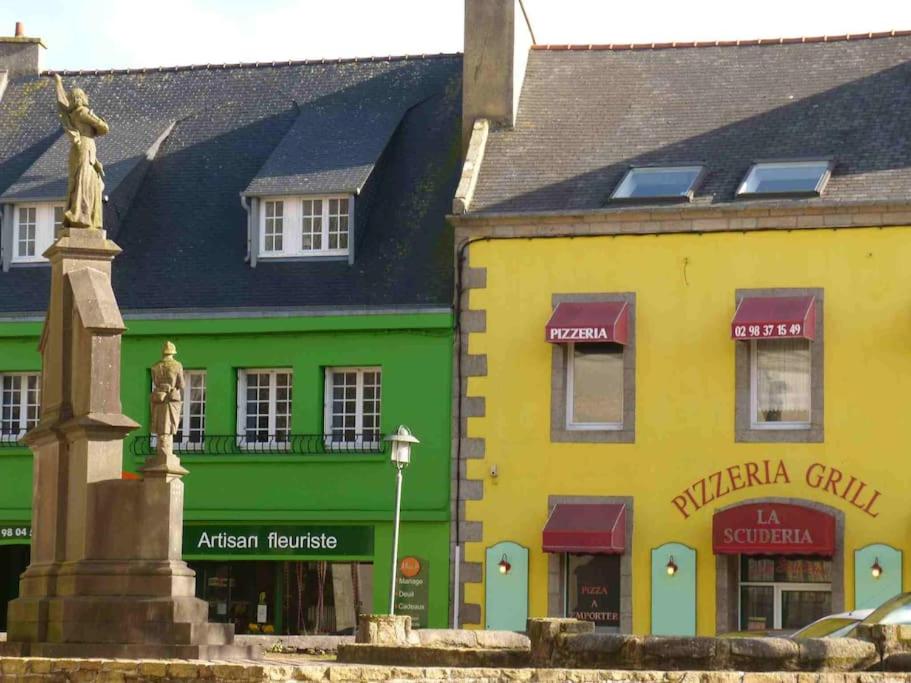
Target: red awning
589 322
591 528
773 529
774 317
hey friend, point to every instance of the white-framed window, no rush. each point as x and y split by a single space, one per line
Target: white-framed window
274 227
306 226
352 406
192 432
594 386
780 383
20 399
264 407
35 226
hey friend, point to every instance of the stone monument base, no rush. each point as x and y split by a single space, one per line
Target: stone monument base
106 577
122 627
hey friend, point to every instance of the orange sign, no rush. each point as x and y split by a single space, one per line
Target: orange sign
409 567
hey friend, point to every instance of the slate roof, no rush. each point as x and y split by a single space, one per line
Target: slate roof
587 113
236 127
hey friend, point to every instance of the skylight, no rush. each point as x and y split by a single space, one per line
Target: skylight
658 182
786 178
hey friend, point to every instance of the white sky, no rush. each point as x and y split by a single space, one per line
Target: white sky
98 34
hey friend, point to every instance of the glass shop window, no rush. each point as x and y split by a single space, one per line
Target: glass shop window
593 590
782 592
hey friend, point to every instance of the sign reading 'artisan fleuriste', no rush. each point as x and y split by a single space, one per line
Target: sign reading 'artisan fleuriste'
314 540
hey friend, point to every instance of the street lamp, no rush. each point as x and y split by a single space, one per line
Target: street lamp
400 457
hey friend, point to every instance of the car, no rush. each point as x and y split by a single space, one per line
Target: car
839 625
894 611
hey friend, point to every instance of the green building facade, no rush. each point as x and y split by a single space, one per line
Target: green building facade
292 487
284 226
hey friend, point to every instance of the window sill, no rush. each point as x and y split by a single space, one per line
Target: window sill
780 426
781 435
576 435
29 263
594 428
280 258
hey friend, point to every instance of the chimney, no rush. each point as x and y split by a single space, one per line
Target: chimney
498 37
19 54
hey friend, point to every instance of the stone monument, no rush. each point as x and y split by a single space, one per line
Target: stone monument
106 577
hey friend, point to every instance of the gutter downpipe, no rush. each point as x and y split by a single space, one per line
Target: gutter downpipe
244 203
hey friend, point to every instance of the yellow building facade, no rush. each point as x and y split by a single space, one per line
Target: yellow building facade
686 461
684 338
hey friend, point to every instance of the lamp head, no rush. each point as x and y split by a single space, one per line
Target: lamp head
671 567
401 446
503 565
876 570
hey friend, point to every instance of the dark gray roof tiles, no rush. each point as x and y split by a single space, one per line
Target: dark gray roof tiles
314 158
180 221
586 115
129 141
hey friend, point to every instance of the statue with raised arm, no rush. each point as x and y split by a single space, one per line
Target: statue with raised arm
85 187
167 400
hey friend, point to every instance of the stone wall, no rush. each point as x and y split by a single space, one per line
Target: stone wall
567 642
37 670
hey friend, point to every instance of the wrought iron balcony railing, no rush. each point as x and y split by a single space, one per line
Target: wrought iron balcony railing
274 444
11 441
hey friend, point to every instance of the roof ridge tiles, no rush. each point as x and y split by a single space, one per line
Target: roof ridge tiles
247 65
753 42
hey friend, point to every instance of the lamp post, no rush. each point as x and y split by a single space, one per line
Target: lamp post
400 457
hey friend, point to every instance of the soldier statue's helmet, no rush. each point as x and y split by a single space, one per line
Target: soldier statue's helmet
168 349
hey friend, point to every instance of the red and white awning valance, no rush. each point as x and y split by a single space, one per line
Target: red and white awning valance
774 317
589 322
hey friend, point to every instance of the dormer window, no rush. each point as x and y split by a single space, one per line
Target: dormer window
305 226
35 226
658 183
786 178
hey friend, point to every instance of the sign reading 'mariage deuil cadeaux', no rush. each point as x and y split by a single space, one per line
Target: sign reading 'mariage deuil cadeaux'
412 595
246 539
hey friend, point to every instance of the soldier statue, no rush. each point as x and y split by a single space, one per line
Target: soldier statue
85 187
167 400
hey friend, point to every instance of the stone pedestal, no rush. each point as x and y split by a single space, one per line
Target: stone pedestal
106 577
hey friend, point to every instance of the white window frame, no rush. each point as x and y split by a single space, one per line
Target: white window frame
293 226
744 189
241 431
45 230
624 189
586 426
23 402
754 395
779 587
359 407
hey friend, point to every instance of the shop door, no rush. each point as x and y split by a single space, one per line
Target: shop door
13 561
